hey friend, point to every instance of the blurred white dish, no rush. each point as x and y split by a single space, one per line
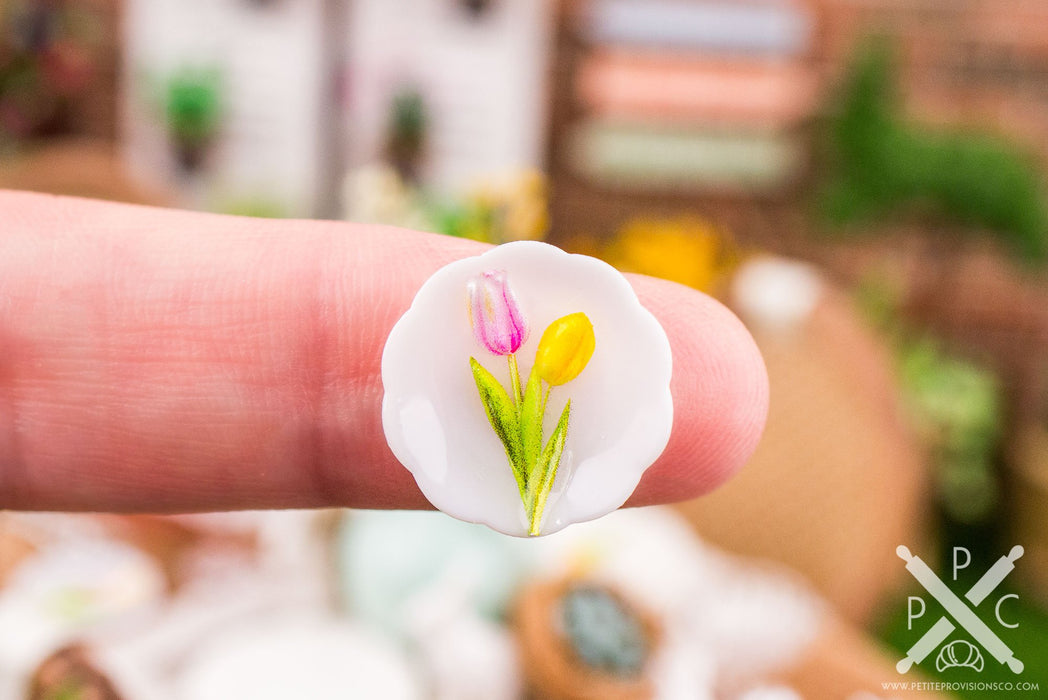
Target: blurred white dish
298 656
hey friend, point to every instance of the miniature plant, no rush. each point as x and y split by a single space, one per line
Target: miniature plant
406 137
880 164
956 406
48 62
604 633
192 109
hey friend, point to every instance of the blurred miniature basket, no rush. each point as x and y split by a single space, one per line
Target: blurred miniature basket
70 672
553 670
837 482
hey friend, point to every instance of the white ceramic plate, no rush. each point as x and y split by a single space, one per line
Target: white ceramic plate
621 407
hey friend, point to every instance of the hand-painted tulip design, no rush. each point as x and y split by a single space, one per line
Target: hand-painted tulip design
565 349
563 353
495 315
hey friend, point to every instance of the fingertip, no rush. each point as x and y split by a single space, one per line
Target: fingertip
720 393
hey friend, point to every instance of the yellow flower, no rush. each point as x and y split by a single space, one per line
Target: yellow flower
686 250
565 349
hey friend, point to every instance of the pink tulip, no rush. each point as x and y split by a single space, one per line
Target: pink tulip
494 313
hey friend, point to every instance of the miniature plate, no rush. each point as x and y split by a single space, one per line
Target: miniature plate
527 389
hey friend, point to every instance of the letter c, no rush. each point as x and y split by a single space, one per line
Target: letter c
997 610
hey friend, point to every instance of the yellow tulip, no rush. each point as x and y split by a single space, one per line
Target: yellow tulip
565 349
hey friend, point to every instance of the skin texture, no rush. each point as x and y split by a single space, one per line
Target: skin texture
165 361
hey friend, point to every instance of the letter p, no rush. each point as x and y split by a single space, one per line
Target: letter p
910 616
958 566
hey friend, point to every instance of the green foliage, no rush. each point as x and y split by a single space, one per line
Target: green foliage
69 690
544 471
504 419
532 410
880 165
957 407
517 422
465 220
258 207
192 105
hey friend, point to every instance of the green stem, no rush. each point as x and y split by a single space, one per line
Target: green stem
535 521
534 478
540 480
514 379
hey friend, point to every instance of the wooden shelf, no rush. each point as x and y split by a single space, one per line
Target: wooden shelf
584 206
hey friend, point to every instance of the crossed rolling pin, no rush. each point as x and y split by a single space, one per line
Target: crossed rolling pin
960 612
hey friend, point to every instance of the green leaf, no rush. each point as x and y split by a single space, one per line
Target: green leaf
532 410
502 415
541 482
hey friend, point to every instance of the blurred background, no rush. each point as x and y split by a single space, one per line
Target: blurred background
862 181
